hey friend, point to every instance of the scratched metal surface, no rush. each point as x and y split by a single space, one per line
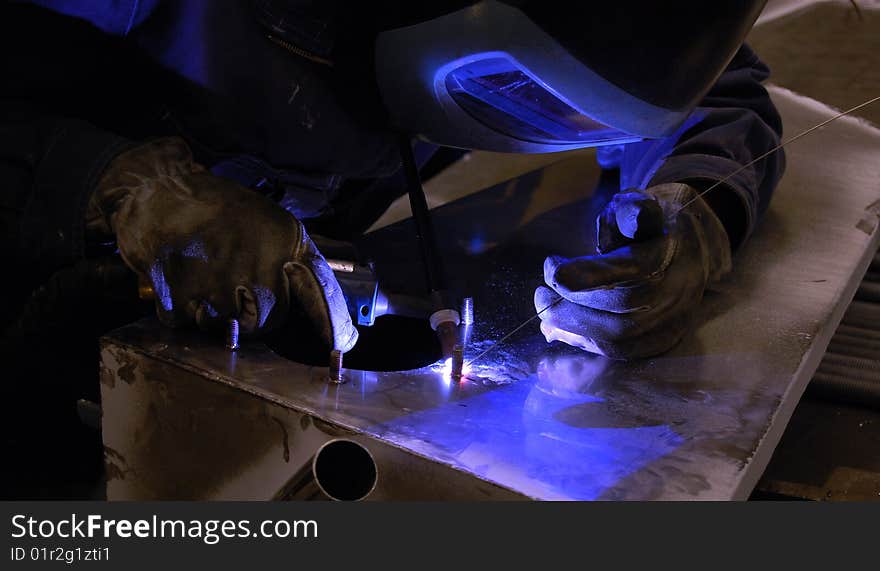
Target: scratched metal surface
550 422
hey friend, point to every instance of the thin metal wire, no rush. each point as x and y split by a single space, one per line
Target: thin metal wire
776 148
686 204
509 335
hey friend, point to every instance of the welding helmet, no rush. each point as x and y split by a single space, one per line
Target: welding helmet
535 76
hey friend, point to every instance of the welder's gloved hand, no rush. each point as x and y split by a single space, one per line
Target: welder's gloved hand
212 249
637 296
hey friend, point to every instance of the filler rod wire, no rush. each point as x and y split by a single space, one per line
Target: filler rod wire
686 204
776 148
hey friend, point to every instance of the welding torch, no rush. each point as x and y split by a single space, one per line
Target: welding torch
364 298
444 319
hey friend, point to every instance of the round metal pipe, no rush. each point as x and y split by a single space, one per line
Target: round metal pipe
341 470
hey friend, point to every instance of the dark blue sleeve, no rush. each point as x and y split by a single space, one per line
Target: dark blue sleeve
52 151
735 123
115 17
49 166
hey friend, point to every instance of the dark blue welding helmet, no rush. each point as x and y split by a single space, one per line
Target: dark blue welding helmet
535 76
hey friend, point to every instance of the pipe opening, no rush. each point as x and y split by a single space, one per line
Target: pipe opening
394 343
345 470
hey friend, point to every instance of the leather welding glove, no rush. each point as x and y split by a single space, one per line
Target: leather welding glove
637 296
212 249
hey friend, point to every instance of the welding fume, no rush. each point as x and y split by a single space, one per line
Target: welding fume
224 156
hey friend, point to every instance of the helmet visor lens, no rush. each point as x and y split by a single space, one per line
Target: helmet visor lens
509 100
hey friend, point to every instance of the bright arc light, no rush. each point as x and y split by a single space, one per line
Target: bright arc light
446 369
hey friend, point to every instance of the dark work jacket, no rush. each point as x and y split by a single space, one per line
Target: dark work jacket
248 86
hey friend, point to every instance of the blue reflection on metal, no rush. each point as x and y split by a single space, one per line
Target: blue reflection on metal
546 436
476 245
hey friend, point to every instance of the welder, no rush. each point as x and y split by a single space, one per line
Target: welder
196 137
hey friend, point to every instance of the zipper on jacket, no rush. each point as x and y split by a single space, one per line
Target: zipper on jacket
299 51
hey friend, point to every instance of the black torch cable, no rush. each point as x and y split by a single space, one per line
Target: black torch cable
422 217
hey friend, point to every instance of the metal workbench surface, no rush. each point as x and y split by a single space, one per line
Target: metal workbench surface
548 421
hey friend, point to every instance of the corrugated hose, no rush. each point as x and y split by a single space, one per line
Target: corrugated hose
850 370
